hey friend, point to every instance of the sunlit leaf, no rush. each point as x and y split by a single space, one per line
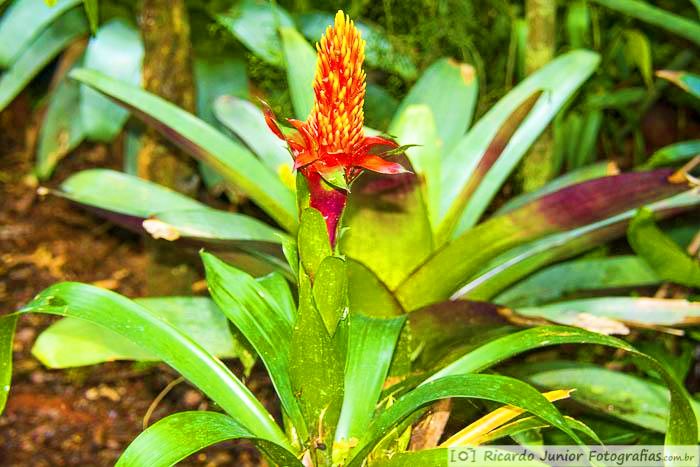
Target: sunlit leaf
371 343
73 342
449 89
156 336
674 154
177 436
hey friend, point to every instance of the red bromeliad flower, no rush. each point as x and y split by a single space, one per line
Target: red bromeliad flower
330 148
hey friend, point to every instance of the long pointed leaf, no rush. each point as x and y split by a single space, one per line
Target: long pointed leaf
72 342
682 427
300 59
247 122
449 89
490 387
679 25
643 312
262 320
578 275
238 166
371 344
517 263
569 208
177 436
154 335
558 80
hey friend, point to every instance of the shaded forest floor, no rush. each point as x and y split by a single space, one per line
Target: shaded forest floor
83 416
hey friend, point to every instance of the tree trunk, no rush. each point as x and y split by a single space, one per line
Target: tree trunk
167 72
537 167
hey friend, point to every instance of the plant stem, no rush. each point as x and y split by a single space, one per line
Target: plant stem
167 71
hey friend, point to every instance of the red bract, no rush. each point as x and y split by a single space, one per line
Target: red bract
330 148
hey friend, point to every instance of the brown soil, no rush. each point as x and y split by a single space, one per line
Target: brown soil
84 416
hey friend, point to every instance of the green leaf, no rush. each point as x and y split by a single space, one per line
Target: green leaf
23 22
489 387
214 227
665 257
93 14
380 206
62 128
596 200
73 342
238 166
126 195
247 122
314 244
578 24
177 436
638 51
616 394
255 24
217 76
683 27
642 312
519 262
682 426
485 162
369 295
560 280
316 368
380 107
449 89
558 81
533 423
300 59
156 336
582 174
44 48
674 154
415 125
330 291
263 320
7 332
115 51
445 331
371 344
379 52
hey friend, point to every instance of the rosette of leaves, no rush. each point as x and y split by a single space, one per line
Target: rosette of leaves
378 327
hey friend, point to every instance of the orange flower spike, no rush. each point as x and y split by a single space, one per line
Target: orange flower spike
330 148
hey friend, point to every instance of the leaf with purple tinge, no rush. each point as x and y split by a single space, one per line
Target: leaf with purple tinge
237 165
557 81
442 332
494 150
515 264
145 207
569 208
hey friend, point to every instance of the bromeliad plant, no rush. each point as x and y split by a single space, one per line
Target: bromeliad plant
385 265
